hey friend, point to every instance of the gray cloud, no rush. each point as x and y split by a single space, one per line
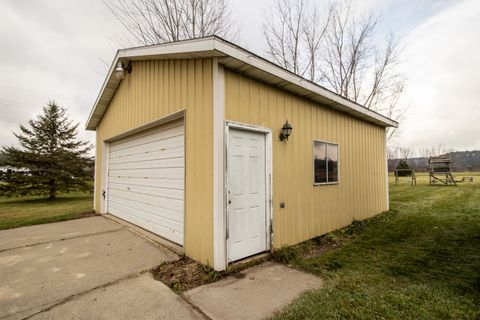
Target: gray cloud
52 50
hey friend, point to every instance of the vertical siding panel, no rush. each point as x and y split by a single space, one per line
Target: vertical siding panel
171 86
166 84
254 100
244 101
152 90
350 167
376 177
191 197
199 136
178 84
286 154
316 125
295 146
183 84
366 169
356 172
360 168
378 152
207 233
277 114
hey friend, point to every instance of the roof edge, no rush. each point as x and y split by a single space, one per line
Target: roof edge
257 61
214 43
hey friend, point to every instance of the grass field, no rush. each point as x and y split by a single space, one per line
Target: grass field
19 212
419 261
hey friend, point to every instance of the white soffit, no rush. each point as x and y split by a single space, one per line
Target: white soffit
240 60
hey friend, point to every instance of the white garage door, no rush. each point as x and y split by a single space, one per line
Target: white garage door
146 180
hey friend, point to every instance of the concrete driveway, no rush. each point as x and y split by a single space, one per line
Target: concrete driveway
83 269
97 268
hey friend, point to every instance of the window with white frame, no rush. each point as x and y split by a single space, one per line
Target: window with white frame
325 162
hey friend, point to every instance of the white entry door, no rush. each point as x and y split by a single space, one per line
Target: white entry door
247 219
146 180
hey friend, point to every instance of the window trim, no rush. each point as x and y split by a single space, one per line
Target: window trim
313 163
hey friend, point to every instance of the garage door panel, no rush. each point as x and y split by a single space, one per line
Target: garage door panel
146 180
149 134
145 212
137 217
150 182
149 164
160 201
166 173
153 191
174 152
147 137
159 213
157 145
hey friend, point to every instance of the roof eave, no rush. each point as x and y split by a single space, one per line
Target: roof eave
214 46
111 83
336 101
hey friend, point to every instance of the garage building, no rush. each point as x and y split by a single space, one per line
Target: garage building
228 155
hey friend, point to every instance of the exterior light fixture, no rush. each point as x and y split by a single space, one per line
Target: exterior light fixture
121 68
286 131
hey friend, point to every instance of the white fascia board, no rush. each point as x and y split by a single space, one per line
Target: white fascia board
187 46
89 125
257 62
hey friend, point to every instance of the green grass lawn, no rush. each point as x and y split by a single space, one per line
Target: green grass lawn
419 261
19 212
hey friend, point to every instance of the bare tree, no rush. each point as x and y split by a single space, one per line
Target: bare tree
293 31
405 153
159 21
337 50
392 153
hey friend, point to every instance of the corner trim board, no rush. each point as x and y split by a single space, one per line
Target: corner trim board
104 178
219 226
386 169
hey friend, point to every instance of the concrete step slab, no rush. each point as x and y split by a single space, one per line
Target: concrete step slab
141 297
255 293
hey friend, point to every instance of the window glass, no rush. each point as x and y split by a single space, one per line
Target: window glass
325 159
320 157
332 163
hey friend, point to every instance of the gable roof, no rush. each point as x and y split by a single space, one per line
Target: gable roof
235 58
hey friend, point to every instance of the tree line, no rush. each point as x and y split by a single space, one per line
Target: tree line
461 161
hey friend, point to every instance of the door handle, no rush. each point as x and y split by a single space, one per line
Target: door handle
229 201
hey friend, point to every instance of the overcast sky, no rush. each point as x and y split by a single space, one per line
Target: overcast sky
59 49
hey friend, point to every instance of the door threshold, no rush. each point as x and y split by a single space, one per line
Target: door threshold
249 261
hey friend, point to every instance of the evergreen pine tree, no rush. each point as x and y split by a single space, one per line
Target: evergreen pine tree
50 158
403 165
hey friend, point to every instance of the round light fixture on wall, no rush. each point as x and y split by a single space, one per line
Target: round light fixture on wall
121 68
286 131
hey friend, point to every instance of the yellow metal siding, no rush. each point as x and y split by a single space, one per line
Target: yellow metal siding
154 90
312 210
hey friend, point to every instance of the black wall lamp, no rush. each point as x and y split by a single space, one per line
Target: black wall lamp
286 131
121 68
